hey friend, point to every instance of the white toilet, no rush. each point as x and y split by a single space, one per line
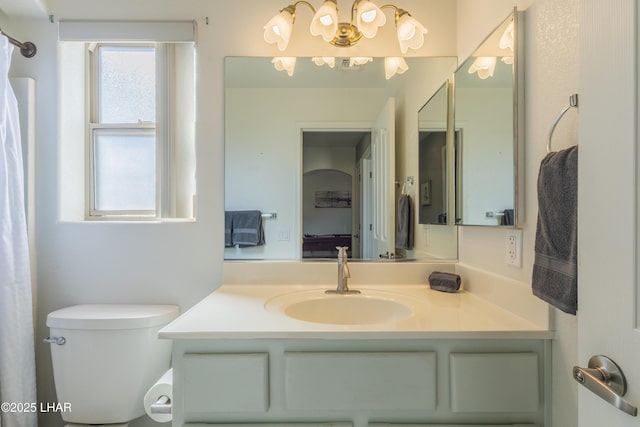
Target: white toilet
105 357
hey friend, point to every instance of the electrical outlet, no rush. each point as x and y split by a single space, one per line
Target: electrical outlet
426 234
514 248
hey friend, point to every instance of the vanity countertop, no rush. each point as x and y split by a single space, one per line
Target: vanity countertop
247 312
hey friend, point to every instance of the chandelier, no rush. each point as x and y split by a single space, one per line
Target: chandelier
366 18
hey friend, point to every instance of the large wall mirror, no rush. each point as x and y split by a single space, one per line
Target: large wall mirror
314 153
435 177
486 99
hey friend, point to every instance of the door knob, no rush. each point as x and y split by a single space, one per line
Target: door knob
605 379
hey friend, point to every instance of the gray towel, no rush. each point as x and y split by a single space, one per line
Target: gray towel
404 221
228 221
246 228
508 217
555 276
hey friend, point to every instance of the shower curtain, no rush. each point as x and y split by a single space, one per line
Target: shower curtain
17 357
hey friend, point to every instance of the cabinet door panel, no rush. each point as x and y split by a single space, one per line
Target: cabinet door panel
271 425
226 382
449 425
360 381
494 382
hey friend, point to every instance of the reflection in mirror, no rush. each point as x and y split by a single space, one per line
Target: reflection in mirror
434 186
330 163
300 146
485 122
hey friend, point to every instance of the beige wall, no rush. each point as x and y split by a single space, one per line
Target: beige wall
158 263
181 263
551 75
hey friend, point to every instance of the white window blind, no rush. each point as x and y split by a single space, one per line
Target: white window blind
127 31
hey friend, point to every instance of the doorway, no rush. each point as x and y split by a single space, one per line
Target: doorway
333 203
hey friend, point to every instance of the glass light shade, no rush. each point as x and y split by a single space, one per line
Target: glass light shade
285 63
394 65
410 33
369 18
507 39
325 21
507 60
359 60
278 29
322 60
484 66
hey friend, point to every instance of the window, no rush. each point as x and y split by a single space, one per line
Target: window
123 135
130 130
127 120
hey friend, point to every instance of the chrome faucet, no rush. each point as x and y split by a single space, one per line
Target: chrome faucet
343 274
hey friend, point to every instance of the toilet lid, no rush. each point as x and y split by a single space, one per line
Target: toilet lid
112 316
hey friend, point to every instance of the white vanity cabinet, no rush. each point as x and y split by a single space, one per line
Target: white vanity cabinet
360 382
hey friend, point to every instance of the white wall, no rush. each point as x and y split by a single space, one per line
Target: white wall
487 152
551 74
124 263
158 263
180 263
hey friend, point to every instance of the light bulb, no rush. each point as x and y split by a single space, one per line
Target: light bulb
484 66
328 60
394 65
285 63
325 21
507 39
410 32
359 60
369 18
278 29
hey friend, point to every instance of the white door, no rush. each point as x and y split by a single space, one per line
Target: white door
383 171
366 207
608 223
356 225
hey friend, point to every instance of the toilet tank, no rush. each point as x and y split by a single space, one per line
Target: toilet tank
110 357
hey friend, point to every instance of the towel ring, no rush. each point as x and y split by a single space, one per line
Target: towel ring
573 102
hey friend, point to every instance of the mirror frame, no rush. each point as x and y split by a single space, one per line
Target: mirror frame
517 123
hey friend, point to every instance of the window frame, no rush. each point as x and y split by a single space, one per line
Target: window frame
162 126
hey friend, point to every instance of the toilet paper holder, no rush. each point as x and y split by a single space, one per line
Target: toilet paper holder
162 405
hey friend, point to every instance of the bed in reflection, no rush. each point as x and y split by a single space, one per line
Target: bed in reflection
324 245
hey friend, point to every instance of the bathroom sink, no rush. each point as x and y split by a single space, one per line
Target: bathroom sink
369 307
